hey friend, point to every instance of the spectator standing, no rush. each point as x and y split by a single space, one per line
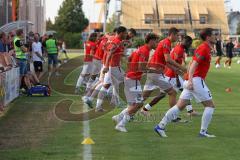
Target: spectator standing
52 51
20 51
3 41
37 56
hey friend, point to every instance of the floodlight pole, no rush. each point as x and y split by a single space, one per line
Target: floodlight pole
106 10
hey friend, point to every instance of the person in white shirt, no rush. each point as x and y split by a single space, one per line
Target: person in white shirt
37 56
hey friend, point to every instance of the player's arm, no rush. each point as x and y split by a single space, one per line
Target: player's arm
92 51
109 56
173 64
191 71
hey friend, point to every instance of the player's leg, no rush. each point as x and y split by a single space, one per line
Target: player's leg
133 93
103 91
206 118
117 77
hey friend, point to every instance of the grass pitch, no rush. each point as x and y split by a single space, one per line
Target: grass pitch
31 130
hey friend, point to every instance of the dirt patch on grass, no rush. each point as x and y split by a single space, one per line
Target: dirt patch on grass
26 125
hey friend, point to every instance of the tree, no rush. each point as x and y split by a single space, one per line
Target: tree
71 17
238 29
111 23
50 25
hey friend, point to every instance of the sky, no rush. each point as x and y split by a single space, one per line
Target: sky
92 10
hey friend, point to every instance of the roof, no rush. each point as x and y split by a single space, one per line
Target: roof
15 25
172 10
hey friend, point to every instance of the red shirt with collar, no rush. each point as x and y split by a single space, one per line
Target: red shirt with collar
178 55
89 46
116 46
202 56
158 61
141 55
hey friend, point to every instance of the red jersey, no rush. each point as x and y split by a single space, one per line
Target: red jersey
100 49
89 46
118 49
202 56
108 42
141 55
178 55
157 61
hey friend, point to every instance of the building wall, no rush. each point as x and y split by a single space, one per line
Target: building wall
168 13
34 11
3 12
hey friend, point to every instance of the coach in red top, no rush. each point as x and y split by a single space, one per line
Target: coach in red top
195 86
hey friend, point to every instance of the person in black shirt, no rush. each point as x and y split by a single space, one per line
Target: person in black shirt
229 53
219 51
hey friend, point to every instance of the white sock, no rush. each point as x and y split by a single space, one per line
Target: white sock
80 81
121 115
189 108
125 119
102 93
206 118
148 107
171 114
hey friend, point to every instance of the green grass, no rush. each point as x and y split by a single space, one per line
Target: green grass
31 131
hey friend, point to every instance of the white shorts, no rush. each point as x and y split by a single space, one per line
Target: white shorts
173 82
107 78
155 80
87 68
133 91
200 91
97 65
117 74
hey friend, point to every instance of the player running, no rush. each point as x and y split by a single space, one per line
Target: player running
195 86
157 64
178 55
90 47
133 92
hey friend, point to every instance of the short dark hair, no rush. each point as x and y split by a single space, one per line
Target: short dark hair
2 35
50 36
19 32
121 29
92 36
133 31
186 41
151 36
115 30
206 32
172 30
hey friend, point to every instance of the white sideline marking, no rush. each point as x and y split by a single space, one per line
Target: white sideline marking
87 149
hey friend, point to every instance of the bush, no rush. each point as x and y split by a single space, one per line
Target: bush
196 43
72 40
138 42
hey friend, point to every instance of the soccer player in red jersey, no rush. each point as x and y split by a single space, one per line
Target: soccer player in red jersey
90 47
97 63
113 59
178 55
133 92
157 64
195 86
102 82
